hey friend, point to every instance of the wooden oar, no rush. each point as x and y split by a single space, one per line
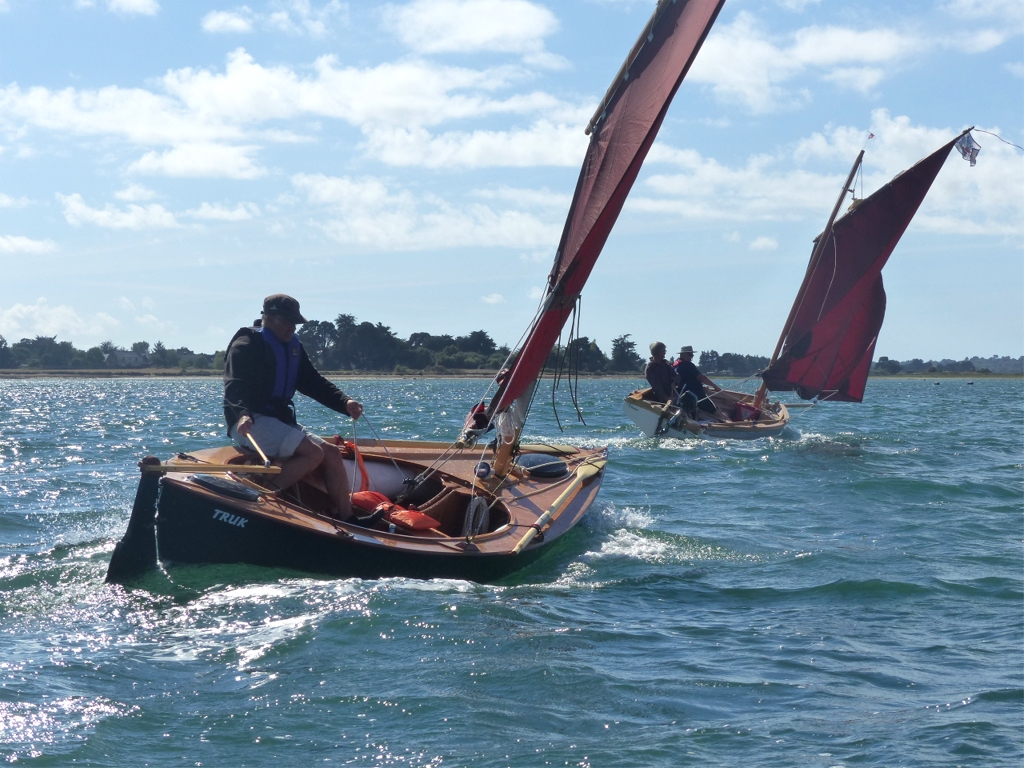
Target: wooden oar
584 472
211 469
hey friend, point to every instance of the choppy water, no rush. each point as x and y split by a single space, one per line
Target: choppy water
848 594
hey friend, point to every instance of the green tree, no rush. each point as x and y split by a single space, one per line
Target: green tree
885 365
624 356
161 356
708 361
319 339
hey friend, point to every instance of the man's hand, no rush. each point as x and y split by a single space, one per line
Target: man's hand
355 409
244 425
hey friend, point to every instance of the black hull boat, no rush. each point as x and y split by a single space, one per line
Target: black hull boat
228 517
479 513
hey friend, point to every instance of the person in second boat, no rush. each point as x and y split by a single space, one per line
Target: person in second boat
660 375
691 385
263 369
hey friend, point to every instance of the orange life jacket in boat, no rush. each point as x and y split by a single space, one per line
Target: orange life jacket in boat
370 501
411 519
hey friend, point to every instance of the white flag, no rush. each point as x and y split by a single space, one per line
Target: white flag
969 148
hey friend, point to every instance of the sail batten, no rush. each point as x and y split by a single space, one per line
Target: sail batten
622 132
829 342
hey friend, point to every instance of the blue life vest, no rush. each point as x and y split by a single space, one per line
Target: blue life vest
287 357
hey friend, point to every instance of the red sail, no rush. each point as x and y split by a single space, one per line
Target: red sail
622 136
828 350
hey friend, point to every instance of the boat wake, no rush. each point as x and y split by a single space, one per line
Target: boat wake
831 445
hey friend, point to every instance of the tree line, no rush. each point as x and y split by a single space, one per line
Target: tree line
47 352
348 345
992 364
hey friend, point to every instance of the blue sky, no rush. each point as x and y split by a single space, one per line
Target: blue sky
164 166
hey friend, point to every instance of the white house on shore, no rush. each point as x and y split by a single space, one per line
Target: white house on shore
124 358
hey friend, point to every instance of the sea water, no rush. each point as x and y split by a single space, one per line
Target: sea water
849 593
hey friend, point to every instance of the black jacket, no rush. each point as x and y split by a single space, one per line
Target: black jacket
249 371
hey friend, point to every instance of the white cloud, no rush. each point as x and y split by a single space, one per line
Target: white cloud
297 17
76 212
366 212
214 123
40 319
467 26
135 192
493 298
217 212
6 201
542 144
239 21
987 199
980 41
742 64
537 198
201 161
1009 11
143 7
764 243
1015 68
20 244
126 304
862 79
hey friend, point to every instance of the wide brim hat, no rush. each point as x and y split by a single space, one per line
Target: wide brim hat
687 350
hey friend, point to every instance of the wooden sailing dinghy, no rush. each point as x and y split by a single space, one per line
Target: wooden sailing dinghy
824 352
470 512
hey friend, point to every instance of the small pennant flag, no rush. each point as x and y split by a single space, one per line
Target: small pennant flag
871 135
969 148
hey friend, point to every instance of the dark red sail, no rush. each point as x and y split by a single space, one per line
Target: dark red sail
623 133
829 345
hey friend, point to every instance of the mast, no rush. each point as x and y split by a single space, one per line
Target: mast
819 246
621 134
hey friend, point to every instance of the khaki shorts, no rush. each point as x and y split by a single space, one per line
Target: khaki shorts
277 439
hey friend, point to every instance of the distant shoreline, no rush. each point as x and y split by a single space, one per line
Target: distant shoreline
177 373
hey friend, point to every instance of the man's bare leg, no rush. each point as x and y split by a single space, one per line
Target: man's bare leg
336 480
306 458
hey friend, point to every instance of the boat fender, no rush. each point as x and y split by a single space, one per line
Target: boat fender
223 485
542 465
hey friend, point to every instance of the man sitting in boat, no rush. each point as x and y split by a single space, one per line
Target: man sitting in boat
660 375
263 368
691 385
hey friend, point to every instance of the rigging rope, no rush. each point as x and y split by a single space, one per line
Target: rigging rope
1018 146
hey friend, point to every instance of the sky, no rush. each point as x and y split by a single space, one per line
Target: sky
165 165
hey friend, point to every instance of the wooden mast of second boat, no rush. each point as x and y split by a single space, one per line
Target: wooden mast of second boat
762 390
